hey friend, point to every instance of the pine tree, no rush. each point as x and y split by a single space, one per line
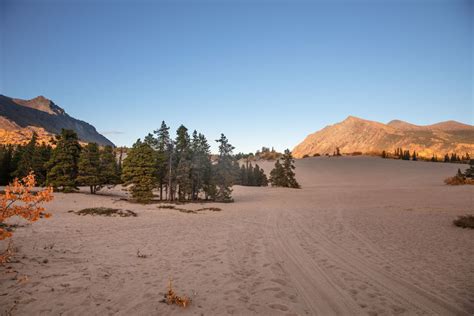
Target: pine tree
243 175
277 175
224 171
260 177
453 157
200 162
446 158
414 157
26 158
109 171
251 176
183 166
384 154
63 165
90 168
163 155
469 173
139 171
289 166
41 157
6 164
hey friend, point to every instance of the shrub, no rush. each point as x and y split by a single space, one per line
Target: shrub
458 180
19 199
466 221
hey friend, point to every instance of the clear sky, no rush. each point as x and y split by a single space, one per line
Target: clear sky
265 73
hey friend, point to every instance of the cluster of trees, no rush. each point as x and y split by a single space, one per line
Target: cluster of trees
18 161
181 169
252 176
262 154
64 168
407 155
283 174
454 158
402 154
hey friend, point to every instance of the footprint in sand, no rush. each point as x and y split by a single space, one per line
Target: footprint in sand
279 281
279 307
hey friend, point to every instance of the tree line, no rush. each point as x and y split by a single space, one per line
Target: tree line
402 154
179 169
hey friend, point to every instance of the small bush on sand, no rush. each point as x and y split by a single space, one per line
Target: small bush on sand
104 211
172 298
459 179
19 199
466 221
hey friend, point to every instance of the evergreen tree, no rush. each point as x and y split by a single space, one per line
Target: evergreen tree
26 158
63 165
208 184
224 171
289 166
469 173
200 152
90 168
163 156
414 157
384 154
277 175
260 177
109 171
243 180
41 157
139 171
446 158
6 164
183 163
453 157
251 181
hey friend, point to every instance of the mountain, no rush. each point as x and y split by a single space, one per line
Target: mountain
19 118
359 135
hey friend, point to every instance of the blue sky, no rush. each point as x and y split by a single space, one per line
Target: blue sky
265 73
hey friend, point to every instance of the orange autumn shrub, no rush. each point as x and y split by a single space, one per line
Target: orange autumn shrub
19 199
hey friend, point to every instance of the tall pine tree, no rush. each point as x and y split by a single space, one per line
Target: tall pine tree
63 165
138 171
224 171
89 167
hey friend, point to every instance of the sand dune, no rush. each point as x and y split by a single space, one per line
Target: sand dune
365 236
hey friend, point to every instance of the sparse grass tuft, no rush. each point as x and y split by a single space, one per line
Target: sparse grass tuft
105 211
466 221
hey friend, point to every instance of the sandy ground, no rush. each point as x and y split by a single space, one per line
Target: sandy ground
365 236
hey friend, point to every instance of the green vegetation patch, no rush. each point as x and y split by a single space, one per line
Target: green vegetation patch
105 211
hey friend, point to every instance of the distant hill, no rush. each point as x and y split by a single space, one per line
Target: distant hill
19 118
359 135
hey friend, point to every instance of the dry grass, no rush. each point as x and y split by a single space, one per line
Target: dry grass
466 221
105 211
456 180
172 298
